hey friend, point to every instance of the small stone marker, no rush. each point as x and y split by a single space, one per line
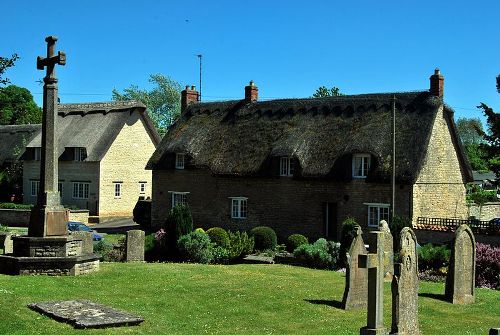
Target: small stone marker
405 287
356 280
374 262
8 247
461 272
388 249
86 314
135 246
87 242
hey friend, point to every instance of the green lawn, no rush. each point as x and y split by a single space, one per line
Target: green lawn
236 299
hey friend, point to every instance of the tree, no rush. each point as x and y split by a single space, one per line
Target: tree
5 63
18 107
163 101
470 131
498 83
324 92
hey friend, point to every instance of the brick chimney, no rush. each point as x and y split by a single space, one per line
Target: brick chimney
188 96
437 84
251 92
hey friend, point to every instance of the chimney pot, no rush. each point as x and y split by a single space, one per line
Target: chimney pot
251 92
437 84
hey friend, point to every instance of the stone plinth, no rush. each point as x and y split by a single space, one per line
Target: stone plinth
87 241
57 246
48 222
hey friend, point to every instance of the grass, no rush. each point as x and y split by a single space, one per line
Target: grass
236 299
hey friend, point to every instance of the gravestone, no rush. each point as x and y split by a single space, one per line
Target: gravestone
462 269
405 287
388 249
374 262
356 280
87 241
135 246
8 246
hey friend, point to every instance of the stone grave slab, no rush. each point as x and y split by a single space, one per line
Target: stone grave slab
86 314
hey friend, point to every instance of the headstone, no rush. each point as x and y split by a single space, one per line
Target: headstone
135 246
405 287
388 249
374 262
356 280
8 247
462 269
87 242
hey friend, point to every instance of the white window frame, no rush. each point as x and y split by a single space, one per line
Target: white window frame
365 165
80 190
286 166
142 187
34 187
178 198
180 160
239 207
79 154
378 212
38 154
117 189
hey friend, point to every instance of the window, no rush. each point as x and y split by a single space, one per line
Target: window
80 154
142 187
376 213
179 161
35 187
179 198
360 165
118 189
80 190
38 154
286 167
239 208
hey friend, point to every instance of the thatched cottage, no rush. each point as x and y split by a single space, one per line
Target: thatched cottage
305 165
103 151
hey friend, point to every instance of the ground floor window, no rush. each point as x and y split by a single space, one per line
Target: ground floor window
376 213
239 208
179 198
35 187
80 190
118 189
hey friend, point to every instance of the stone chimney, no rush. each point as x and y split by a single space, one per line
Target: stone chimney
251 92
437 84
188 96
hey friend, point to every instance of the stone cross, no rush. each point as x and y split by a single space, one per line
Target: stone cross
374 262
356 280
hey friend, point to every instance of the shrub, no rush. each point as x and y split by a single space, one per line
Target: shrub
200 230
110 252
487 266
397 224
219 236
433 257
3 228
196 247
11 205
322 254
221 255
295 240
239 244
347 235
179 223
264 237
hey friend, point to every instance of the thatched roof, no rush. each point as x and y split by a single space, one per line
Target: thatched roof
94 126
239 138
13 140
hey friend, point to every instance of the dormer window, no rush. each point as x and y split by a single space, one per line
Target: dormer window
80 154
179 161
286 167
38 154
360 165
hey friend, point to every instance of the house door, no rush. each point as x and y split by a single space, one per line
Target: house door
330 220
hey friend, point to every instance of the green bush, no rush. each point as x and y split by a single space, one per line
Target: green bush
110 252
322 254
200 230
264 237
195 247
348 234
221 255
433 257
239 244
295 240
397 224
3 228
179 223
219 236
11 205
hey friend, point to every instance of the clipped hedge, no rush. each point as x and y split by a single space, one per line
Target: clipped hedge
219 236
264 237
294 241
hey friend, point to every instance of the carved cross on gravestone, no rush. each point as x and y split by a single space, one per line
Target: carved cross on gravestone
374 262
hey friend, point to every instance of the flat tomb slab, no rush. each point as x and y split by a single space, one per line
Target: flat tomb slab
86 314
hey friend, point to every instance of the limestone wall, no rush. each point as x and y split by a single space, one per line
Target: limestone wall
15 217
486 212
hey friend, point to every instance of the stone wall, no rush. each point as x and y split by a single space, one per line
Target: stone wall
439 190
21 217
125 163
486 212
445 237
79 215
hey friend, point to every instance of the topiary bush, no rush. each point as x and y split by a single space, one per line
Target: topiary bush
264 237
295 240
195 247
322 254
432 257
487 266
240 244
347 235
179 223
219 236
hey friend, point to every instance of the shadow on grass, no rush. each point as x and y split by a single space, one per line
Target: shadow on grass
331 303
441 297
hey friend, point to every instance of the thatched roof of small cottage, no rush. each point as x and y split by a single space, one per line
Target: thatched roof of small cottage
94 126
13 140
238 138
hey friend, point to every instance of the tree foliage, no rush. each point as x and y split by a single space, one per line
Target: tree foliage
323 92
492 145
5 63
18 107
162 101
471 133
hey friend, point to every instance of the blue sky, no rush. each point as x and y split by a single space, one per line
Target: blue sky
289 48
